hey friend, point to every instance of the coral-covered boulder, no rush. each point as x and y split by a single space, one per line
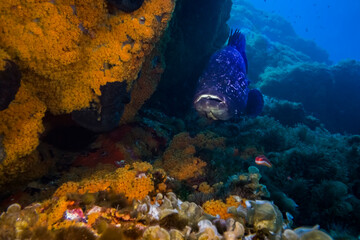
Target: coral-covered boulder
83 57
275 28
330 93
10 77
289 113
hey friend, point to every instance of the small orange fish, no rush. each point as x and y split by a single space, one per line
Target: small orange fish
262 160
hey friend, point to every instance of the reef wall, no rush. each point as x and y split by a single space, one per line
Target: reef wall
196 31
74 57
329 92
287 67
275 28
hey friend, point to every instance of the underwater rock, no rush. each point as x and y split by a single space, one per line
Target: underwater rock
235 230
171 211
330 192
105 115
327 156
22 162
127 5
75 232
332 197
179 158
176 235
246 185
2 150
69 138
155 233
192 211
15 222
189 49
308 233
328 92
207 228
263 53
275 28
132 182
163 125
285 203
137 221
239 213
264 215
10 77
315 234
146 83
70 53
289 234
289 113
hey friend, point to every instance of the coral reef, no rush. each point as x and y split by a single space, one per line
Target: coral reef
275 28
145 85
179 161
21 123
135 182
305 163
128 143
220 208
217 207
204 187
10 77
280 60
81 57
20 126
104 115
94 51
247 185
289 113
158 176
127 5
271 40
170 219
334 91
331 163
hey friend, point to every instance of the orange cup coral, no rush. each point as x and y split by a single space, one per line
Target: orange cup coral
135 182
179 160
66 51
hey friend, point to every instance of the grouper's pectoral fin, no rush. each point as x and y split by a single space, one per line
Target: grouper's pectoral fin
255 103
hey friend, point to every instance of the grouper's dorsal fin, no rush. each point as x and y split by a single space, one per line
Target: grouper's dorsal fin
237 40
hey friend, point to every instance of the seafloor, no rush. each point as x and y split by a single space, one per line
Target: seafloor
99 138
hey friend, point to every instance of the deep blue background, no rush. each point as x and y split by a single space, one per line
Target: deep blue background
333 24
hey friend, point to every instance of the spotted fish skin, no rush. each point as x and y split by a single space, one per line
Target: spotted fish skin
223 91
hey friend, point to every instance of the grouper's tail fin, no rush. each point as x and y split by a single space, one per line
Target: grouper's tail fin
237 40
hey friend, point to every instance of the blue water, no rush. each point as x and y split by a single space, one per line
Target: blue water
333 24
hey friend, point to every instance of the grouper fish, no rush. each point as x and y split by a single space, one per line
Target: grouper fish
223 91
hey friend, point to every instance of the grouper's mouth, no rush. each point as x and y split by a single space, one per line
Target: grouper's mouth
212 106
